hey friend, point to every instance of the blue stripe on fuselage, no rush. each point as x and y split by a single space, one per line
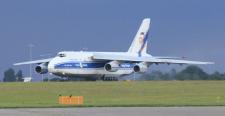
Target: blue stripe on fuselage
71 65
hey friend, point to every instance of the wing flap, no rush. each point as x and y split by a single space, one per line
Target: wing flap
177 61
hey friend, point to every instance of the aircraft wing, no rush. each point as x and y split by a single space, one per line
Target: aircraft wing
149 59
34 62
170 57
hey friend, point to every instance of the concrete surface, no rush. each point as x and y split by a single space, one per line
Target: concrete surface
116 111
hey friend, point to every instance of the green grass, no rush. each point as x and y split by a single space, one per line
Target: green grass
141 93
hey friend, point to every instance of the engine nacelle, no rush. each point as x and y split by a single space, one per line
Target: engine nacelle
112 66
141 67
42 68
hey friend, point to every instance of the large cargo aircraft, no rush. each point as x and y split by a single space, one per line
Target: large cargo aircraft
106 64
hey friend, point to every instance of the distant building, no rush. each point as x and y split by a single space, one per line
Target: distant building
27 79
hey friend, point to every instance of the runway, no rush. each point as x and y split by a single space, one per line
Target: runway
116 111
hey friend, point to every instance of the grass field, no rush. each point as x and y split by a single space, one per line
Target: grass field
140 93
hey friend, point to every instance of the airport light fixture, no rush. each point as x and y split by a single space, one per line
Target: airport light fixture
30 55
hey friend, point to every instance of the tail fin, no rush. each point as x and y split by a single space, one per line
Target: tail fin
139 44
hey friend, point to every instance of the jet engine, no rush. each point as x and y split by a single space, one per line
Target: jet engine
141 67
112 66
42 68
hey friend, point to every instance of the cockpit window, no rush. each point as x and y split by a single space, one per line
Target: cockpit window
61 55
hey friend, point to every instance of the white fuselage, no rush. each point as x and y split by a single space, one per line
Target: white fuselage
81 64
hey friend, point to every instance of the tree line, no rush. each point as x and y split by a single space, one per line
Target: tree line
189 73
11 76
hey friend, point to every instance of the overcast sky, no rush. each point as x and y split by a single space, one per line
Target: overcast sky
190 28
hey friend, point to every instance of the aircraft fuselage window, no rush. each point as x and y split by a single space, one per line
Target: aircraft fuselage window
62 55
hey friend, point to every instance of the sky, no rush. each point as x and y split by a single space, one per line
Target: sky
191 28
